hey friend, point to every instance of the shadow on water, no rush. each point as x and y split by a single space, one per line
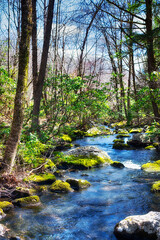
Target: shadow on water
93 213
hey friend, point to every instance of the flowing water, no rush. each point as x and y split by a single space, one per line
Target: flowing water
93 213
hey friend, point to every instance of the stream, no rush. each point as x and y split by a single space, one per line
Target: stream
92 213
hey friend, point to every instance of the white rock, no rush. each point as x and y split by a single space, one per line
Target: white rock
3 230
139 225
88 151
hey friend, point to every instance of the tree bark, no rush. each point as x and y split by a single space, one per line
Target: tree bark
13 140
151 59
37 95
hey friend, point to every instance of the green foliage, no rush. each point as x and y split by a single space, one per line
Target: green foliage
7 93
31 151
154 130
72 100
66 138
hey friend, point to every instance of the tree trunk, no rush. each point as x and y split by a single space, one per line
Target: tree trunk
13 140
85 40
37 95
151 59
34 50
114 70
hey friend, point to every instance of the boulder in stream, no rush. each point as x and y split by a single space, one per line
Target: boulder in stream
117 164
151 167
84 158
45 178
121 146
6 206
60 187
139 227
31 201
156 187
78 184
139 140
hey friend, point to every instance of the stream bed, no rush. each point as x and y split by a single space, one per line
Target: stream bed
92 213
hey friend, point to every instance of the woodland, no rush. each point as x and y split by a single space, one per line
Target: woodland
67 65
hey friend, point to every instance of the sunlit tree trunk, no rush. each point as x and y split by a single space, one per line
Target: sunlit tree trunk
13 140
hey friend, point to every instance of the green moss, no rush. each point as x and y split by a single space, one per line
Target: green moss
121 146
46 178
27 201
119 124
156 144
136 130
93 132
118 140
84 162
49 164
66 138
59 186
151 167
42 188
156 186
122 132
98 131
122 135
6 206
150 147
78 184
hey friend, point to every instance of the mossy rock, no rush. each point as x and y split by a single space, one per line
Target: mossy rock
156 144
123 131
42 189
136 130
84 158
93 132
83 163
151 167
49 165
20 192
121 146
118 140
6 206
46 178
78 184
32 201
117 164
150 147
60 187
156 187
119 124
122 135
